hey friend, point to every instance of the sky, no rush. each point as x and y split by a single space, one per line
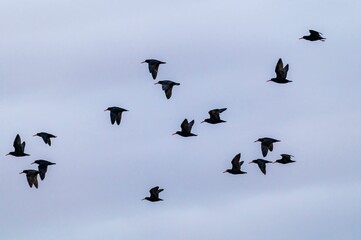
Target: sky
63 62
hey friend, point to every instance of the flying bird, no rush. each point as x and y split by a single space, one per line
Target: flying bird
153 66
281 73
266 144
186 129
167 87
286 158
43 167
261 164
46 137
32 177
314 36
154 195
214 117
236 165
115 114
19 148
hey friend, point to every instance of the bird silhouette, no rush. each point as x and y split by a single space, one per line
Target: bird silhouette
153 66
46 137
281 73
19 148
43 167
286 158
186 129
266 144
115 114
154 195
167 87
214 117
236 165
261 164
32 177
314 36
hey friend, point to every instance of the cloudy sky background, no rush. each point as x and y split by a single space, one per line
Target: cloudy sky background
63 62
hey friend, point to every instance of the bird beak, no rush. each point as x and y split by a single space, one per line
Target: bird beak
268 80
35 135
256 141
249 162
156 83
7 154
224 171
174 133
274 162
202 121
33 162
143 62
21 173
301 38
105 110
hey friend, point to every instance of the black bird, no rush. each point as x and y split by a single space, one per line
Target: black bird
46 137
214 116
19 148
115 114
154 195
32 176
261 164
186 129
167 87
281 73
153 66
236 165
286 158
266 144
314 36
43 167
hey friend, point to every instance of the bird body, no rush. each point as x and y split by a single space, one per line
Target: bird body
43 167
261 164
115 114
167 87
154 195
314 36
281 73
46 137
286 158
153 66
236 165
266 144
214 117
32 177
186 129
19 148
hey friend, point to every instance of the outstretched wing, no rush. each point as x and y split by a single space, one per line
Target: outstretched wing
42 170
154 192
279 68
168 90
262 166
184 125
17 144
235 162
315 33
153 69
285 71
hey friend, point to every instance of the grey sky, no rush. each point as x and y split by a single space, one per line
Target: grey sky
63 62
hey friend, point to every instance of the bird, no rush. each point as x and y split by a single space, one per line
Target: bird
153 66
154 195
32 177
186 129
43 167
236 165
266 144
314 36
167 87
115 114
45 136
286 158
19 148
261 164
214 116
281 73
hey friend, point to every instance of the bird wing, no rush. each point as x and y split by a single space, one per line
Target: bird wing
154 192
184 125
235 162
42 170
190 125
112 117
262 167
279 68
17 144
315 33
270 147
118 117
214 114
168 90
264 148
35 180
153 69
285 71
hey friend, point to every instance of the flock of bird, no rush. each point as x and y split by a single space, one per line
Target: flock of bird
186 128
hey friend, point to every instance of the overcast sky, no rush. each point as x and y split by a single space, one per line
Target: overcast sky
63 62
